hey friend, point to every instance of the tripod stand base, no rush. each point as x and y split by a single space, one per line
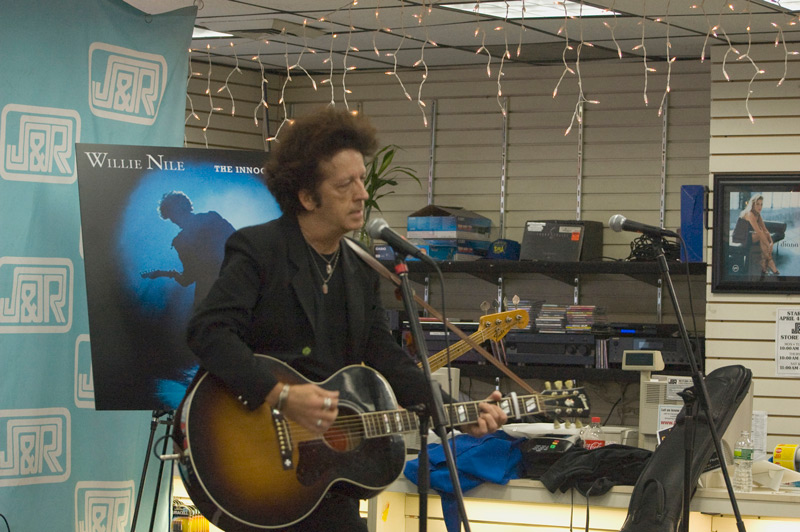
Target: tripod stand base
656 501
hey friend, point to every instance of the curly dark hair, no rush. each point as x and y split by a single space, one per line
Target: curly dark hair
294 161
172 202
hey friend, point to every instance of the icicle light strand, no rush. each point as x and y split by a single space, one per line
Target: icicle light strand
263 101
643 47
670 60
757 70
564 51
227 79
423 19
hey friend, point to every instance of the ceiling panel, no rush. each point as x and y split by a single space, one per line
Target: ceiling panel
407 24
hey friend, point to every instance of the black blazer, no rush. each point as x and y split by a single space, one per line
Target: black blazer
264 302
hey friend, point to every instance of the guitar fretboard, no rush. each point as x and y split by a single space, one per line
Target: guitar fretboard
378 424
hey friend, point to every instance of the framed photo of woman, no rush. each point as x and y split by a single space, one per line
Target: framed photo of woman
756 244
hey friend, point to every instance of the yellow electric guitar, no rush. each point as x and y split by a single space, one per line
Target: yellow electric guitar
492 327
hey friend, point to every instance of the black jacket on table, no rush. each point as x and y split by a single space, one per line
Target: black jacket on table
264 302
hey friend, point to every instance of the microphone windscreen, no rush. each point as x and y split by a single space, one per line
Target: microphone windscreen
615 222
375 227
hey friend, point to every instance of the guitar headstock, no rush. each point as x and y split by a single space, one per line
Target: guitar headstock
499 324
565 402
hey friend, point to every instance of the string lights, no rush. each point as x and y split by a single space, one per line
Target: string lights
295 60
670 60
422 19
211 106
577 115
227 79
191 112
758 71
263 101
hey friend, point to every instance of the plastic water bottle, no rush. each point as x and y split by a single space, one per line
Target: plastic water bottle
743 463
593 437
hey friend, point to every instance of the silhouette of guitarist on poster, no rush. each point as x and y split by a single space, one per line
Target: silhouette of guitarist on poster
200 244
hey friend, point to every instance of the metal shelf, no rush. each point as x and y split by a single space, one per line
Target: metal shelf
493 270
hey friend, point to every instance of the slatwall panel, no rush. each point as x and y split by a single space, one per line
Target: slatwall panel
621 169
740 328
232 123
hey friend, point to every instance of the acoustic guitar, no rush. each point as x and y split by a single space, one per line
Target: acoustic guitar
254 469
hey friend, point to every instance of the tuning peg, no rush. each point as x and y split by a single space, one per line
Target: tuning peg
578 424
556 424
515 299
485 306
559 385
548 385
570 383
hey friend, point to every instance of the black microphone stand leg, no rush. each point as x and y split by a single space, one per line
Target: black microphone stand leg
702 395
160 476
153 425
437 406
690 418
424 470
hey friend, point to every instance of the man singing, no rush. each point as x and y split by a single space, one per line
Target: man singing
294 290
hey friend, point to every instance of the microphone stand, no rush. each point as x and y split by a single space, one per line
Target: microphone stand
702 399
437 406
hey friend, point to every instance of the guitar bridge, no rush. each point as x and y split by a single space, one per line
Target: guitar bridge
284 438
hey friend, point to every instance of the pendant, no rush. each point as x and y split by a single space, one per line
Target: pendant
328 269
324 288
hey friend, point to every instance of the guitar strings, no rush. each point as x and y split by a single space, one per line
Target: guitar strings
354 426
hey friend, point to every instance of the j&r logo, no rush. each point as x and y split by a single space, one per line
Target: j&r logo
35 447
103 506
125 84
37 143
84 378
36 295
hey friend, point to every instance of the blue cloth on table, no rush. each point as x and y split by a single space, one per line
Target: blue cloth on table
494 458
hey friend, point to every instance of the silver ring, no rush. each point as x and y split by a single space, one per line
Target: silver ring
319 422
326 404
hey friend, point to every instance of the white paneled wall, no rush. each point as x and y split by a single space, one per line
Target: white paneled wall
459 153
223 115
622 160
740 328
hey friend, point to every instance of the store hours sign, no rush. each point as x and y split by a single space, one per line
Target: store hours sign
787 342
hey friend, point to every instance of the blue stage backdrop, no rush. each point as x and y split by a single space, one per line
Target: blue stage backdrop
72 71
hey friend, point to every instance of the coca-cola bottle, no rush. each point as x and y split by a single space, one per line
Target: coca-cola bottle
593 437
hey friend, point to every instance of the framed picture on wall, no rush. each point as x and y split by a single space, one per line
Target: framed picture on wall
756 233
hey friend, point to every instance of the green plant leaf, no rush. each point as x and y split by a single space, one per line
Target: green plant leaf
380 174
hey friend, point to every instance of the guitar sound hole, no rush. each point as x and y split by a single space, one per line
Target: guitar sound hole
347 432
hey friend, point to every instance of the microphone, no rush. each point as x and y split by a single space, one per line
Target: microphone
619 223
378 228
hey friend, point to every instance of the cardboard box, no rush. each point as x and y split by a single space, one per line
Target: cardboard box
442 250
439 222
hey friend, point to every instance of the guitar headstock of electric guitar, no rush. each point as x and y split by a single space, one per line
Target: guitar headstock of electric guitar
497 325
567 404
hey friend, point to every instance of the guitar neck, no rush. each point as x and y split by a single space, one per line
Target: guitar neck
439 360
377 424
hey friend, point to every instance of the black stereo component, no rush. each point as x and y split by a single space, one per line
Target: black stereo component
435 340
672 350
562 240
525 347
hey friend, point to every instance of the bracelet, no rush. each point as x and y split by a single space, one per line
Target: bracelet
282 397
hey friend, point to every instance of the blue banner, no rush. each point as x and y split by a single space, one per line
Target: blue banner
74 71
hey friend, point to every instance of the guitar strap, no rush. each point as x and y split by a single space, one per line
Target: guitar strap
376 265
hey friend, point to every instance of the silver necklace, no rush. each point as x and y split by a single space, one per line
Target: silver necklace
330 265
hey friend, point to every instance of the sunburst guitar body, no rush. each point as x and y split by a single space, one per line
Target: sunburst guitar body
255 470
